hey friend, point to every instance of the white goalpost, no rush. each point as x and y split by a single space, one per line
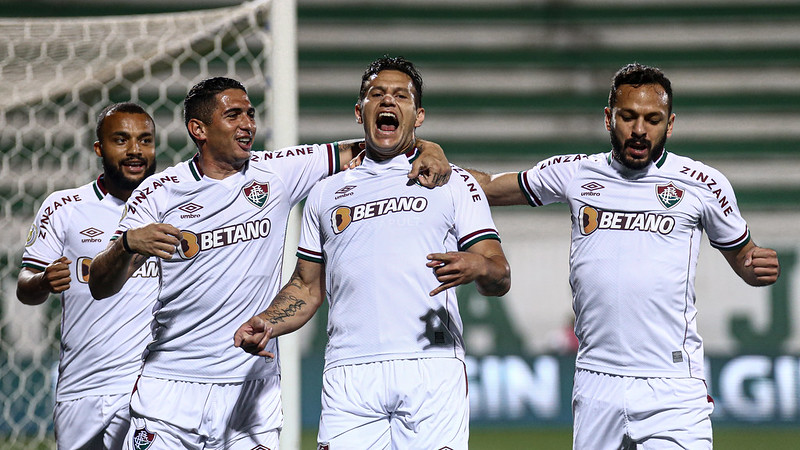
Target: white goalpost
56 75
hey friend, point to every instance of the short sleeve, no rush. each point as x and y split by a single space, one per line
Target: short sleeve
45 242
473 219
310 244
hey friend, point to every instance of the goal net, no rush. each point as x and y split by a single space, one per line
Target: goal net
56 75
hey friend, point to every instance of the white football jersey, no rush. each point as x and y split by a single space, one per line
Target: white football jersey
101 340
228 268
635 241
373 231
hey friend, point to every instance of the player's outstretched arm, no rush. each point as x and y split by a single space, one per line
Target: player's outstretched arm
34 286
431 168
112 267
757 266
500 189
294 305
484 262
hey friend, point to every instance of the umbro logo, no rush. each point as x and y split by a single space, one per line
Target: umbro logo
91 232
190 209
91 235
591 187
344 192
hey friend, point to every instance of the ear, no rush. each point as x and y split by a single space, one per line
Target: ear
98 150
359 119
608 118
670 123
420 117
197 129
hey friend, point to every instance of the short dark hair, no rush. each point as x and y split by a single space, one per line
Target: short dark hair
123 107
200 102
637 74
397 63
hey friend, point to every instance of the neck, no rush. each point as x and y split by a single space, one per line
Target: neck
219 169
383 156
117 191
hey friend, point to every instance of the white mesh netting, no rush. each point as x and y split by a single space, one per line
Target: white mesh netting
56 75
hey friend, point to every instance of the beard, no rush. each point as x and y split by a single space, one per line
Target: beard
618 147
115 176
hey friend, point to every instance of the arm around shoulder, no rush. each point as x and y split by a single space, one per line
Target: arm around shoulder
501 189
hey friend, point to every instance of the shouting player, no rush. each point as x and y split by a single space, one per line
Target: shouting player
639 379
217 225
388 255
101 341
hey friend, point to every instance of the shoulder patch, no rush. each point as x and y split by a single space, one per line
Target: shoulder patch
32 235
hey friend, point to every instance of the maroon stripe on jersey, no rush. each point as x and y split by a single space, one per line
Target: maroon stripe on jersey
101 184
309 252
733 242
35 261
528 189
196 164
331 159
475 233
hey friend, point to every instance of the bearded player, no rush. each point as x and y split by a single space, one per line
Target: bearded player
95 378
638 214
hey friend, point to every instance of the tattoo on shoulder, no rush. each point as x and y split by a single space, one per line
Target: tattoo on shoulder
283 307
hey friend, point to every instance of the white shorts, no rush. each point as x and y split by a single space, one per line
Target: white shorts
614 412
399 404
93 422
168 414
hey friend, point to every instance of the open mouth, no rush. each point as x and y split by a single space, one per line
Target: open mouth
638 146
387 122
245 141
134 165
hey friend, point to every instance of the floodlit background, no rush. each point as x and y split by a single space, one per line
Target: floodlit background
507 83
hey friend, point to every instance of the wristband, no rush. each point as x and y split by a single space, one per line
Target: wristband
125 242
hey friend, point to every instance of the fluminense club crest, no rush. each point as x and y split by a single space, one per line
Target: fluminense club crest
256 193
143 439
668 194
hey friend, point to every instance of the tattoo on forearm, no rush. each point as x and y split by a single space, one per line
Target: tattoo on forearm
283 307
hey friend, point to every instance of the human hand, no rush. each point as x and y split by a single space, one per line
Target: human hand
253 336
455 268
355 162
56 276
155 239
764 264
431 168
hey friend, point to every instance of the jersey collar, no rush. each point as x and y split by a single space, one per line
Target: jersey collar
620 167
194 167
402 160
99 187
